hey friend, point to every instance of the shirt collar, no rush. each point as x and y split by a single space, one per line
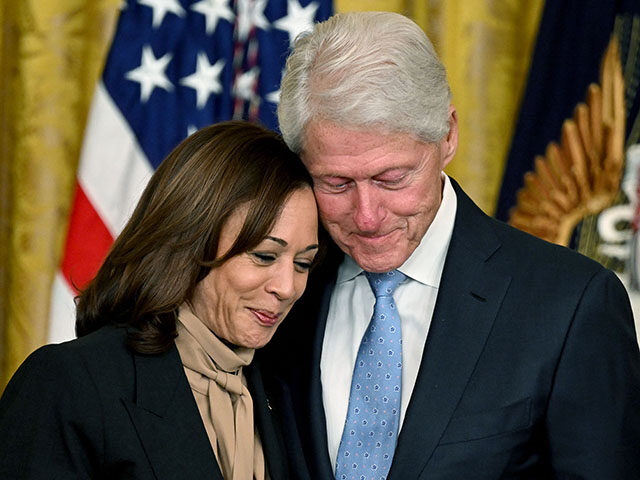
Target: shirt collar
426 263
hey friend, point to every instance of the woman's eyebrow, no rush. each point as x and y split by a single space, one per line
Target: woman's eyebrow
284 243
279 241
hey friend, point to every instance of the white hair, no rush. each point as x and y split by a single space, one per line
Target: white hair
365 70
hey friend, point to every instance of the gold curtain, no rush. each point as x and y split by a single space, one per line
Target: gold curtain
52 51
51 54
486 47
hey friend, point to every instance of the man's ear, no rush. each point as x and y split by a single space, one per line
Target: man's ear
449 144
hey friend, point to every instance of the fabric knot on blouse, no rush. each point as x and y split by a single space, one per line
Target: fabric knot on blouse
214 372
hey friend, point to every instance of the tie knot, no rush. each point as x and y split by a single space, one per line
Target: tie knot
384 284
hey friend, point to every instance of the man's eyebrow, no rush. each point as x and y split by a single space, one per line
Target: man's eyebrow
329 176
282 242
399 169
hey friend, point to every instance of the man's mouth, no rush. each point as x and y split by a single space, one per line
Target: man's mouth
374 238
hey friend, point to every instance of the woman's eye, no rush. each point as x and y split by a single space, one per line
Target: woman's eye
304 266
263 257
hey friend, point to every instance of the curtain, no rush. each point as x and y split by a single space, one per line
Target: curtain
50 57
52 52
486 47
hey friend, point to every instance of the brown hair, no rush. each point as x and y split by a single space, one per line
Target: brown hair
170 242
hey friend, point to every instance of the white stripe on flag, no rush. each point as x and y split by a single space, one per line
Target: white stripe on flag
62 312
113 172
113 169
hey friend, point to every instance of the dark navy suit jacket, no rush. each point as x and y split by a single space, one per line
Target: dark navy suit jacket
531 367
91 409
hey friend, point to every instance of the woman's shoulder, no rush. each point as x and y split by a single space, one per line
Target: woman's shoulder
55 409
97 358
107 341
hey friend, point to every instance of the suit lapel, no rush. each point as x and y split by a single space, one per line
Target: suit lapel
293 358
167 420
469 297
317 418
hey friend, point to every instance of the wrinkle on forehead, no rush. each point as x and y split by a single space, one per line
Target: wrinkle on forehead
337 150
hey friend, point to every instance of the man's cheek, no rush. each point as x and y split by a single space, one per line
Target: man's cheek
332 209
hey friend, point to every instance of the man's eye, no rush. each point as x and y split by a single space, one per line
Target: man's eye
391 181
335 185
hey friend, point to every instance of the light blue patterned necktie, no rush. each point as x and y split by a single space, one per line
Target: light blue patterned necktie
371 428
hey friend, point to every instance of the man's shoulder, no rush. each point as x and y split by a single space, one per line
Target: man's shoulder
514 249
526 250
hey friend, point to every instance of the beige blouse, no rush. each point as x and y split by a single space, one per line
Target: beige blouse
215 374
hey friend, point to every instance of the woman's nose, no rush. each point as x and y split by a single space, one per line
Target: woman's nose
282 281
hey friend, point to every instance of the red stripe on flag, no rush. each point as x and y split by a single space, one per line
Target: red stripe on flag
88 242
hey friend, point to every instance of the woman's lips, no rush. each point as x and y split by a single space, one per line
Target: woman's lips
267 319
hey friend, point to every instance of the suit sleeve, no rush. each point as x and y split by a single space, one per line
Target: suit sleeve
593 420
50 421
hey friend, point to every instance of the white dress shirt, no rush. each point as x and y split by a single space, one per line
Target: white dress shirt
351 308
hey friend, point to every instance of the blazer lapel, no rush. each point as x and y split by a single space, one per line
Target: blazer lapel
468 301
167 420
272 442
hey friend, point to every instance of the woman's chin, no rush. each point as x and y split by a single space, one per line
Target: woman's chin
256 342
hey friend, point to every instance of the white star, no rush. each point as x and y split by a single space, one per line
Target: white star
205 79
160 9
245 84
191 129
150 74
213 10
250 13
273 97
299 19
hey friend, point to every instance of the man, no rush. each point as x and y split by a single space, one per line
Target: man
518 359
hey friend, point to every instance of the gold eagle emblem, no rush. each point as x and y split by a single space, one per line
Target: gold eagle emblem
581 175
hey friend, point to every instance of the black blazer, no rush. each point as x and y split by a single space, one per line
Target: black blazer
531 367
90 408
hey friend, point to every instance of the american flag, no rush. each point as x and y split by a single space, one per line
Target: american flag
174 66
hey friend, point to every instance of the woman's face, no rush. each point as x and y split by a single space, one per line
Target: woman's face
245 299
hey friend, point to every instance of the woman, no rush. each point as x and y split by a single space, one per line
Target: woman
212 259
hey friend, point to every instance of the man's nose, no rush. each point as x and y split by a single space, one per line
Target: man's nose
368 211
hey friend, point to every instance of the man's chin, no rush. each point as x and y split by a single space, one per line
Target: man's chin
377 262
376 254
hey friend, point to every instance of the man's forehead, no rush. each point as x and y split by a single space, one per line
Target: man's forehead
330 149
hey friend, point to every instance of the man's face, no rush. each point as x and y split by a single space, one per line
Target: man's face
377 192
